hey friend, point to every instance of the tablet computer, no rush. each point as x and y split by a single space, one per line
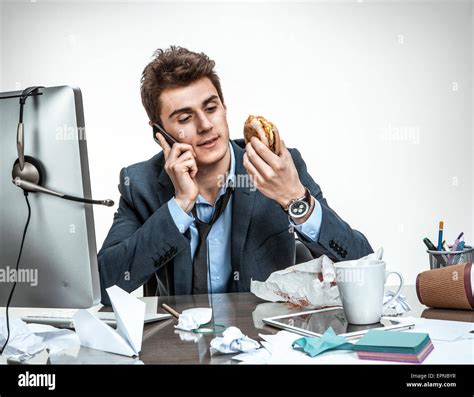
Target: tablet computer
316 322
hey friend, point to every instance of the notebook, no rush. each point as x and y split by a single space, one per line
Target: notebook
410 347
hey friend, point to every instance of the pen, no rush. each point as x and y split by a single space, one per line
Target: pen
440 236
170 310
429 244
431 247
445 247
454 247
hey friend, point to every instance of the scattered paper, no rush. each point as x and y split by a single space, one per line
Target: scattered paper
57 340
452 341
457 352
92 356
234 341
397 307
39 359
281 350
442 330
308 284
28 340
23 343
127 338
191 319
260 356
278 350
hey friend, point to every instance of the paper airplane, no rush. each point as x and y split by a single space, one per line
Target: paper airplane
127 338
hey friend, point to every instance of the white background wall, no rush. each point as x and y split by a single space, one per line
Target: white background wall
376 95
1 45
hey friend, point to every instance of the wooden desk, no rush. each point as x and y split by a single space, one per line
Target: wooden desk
163 344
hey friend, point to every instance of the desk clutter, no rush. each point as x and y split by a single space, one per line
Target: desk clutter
233 341
30 340
450 282
127 338
452 343
317 283
374 345
443 254
356 287
313 284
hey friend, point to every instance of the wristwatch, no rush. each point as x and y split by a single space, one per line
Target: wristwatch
299 207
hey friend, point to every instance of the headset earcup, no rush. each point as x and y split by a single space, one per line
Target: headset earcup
39 167
33 171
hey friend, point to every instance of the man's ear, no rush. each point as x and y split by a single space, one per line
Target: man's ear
150 123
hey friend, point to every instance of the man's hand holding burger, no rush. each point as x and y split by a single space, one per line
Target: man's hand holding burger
273 173
181 168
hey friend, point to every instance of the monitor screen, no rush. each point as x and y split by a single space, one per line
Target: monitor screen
58 266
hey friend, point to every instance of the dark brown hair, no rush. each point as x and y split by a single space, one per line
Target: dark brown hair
172 68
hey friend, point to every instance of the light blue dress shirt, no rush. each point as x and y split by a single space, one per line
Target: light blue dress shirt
218 239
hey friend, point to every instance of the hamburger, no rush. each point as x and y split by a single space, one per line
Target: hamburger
264 130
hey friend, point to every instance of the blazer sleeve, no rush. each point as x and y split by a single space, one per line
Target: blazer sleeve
132 250
336 239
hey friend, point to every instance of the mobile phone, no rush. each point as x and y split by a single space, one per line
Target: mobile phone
161 130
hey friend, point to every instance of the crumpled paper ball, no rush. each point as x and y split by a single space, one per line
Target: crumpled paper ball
191 319
234 341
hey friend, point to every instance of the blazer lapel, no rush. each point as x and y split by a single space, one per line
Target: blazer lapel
243 201
166 190
182 264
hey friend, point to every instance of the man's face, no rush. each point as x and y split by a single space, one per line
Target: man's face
195 115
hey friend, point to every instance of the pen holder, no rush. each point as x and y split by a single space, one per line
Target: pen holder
440 259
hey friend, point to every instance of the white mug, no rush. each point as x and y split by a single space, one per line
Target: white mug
361 288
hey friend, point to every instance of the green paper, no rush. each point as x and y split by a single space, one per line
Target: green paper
392 341
313 346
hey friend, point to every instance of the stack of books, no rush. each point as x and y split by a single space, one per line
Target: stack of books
409 347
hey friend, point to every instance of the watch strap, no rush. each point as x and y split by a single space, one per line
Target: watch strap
306 197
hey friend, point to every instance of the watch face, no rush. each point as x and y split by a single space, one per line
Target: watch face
298 209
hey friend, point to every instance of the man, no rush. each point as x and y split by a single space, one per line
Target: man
181 228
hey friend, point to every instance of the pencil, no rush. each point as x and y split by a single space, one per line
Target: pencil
440 236
170 310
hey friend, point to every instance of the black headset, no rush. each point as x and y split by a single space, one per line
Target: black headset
28 173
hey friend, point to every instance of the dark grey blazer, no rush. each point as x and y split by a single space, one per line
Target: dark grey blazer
144 246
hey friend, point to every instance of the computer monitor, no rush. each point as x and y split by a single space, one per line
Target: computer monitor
58 267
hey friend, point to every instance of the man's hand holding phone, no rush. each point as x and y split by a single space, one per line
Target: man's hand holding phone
181 167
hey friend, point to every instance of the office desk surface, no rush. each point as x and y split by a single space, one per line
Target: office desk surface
163 344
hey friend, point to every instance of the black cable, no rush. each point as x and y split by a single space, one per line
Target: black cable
16 271
24 95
